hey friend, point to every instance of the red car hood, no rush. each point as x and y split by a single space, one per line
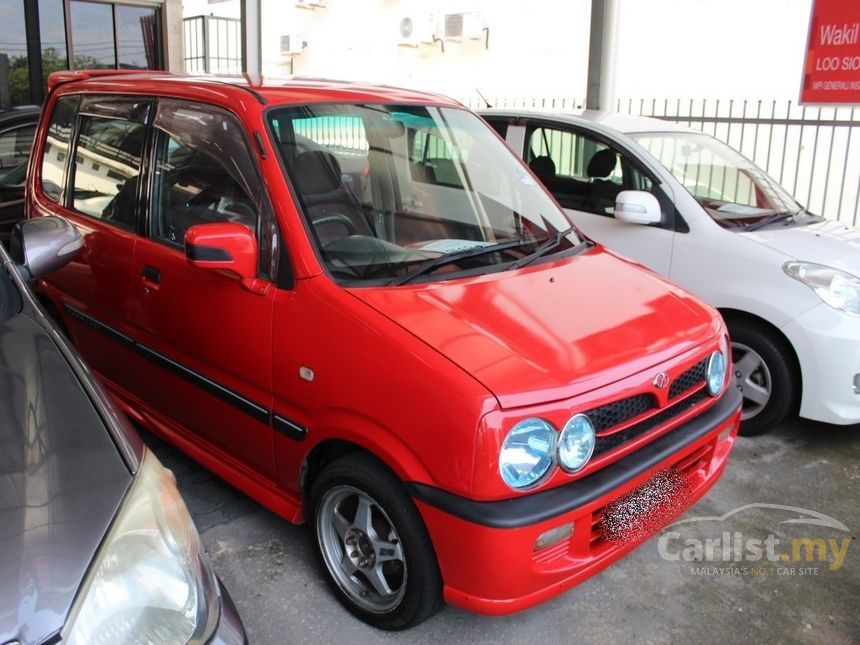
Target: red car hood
552 331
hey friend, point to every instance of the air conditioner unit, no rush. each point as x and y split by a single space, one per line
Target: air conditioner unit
463 26
292 44
310 4
417 30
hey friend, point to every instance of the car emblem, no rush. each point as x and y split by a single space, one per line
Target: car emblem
661 380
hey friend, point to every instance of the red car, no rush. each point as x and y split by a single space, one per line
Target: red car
357 306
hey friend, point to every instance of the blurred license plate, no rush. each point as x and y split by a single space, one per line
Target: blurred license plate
646 509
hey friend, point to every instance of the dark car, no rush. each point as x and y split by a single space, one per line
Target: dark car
96 544
17 128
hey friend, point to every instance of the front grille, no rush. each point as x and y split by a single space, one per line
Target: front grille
689 379
608 442
615 413
681 398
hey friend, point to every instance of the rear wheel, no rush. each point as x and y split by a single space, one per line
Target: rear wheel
763 372
373 545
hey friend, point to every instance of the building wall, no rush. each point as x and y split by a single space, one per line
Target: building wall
666 48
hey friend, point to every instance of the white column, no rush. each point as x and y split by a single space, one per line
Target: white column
600 94
251 30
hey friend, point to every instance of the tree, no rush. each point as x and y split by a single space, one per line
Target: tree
53 60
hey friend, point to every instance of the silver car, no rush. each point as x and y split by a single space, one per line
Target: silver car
96 545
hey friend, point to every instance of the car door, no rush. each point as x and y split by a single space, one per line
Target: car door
15 143
585 172
91 160
208 339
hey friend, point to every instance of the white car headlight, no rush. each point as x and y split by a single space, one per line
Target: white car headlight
576 443
837 288
150 580
528 452
716 373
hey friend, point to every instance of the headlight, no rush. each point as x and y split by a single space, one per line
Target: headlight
716 373
838 289
527 453
576 443
150 580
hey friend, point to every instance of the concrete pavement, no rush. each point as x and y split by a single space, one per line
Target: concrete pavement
647 597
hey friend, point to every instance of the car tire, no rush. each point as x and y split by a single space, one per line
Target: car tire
763 372
360 514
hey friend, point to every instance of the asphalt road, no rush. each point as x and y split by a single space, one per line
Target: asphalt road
269 569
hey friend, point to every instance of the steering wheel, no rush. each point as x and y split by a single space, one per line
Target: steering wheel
335 218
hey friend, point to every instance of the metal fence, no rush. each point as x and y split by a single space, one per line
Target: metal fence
213 45
808 150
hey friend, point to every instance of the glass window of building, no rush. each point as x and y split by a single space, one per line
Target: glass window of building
92 35
14 71
38 37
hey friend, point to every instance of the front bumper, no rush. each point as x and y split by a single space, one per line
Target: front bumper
827 343
230 630
486 549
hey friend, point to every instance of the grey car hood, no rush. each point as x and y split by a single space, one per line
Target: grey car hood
62 480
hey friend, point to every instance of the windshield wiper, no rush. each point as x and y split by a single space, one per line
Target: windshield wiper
545 246
770 219
448 258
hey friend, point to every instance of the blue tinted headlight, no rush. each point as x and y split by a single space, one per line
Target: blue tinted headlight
576 443
527 453
716 373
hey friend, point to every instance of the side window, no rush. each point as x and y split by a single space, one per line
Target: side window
431 161
581 172
106 169
57 148
499 125
15 148
204 173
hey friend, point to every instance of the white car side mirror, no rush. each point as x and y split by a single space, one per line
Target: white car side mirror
637 207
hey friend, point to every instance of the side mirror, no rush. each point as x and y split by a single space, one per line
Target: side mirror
42 245
637 207
225 246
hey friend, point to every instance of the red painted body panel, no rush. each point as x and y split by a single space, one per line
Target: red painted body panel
373 385
478 583
552 331
427 377
224 332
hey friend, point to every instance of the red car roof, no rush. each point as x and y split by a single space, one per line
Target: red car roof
265 90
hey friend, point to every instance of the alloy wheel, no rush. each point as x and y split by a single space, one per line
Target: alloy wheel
361 549
752 377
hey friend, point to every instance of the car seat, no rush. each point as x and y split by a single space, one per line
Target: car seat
332 209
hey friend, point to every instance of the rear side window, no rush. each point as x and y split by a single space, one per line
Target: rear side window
581 172
15 148
108 162
499 125
57 148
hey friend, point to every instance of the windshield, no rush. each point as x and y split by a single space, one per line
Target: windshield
395 192
733 190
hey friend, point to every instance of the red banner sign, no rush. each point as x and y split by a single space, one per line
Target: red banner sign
832 71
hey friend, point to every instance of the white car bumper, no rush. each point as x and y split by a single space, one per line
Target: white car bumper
827 342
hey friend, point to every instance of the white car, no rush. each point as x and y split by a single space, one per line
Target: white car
695 210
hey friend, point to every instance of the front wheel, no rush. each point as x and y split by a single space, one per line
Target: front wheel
763 373
373 545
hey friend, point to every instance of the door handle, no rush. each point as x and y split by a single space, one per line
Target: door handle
151 273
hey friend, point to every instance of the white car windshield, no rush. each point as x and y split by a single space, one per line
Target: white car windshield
731 188
393 193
